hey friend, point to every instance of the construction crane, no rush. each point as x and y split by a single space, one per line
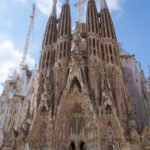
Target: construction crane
149 69
27 41
78 5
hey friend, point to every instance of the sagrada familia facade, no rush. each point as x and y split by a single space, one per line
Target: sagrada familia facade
84 95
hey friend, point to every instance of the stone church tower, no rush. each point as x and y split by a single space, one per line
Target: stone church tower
81 100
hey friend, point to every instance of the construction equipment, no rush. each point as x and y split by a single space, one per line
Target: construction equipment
149 69
27 42
78 5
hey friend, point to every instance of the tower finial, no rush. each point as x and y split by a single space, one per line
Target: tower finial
103 4
66 2
54 8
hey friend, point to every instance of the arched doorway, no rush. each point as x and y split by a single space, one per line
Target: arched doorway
72 146
82 145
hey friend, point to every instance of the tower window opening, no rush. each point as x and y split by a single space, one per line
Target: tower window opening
98 44
102 49
94 43
53 57
44 60
64 45
47 61
61 46
56 54
94 52
110 49
68 52
60 55
107 53
92 27
89 42
107 23
62 27
112 60
64 53
98 52
115 53
66 31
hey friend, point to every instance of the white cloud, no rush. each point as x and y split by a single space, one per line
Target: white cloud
3 6
10 58
20 1
45 6
114 5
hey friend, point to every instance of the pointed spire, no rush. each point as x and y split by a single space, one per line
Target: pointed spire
66 2
51 29
103 4
107 27
54 8
92 17
65 20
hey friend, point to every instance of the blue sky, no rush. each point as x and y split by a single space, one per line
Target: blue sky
131 19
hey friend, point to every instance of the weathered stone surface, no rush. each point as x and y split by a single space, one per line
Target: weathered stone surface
83 95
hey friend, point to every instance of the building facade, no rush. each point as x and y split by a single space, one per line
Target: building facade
14 101
81 98
136 83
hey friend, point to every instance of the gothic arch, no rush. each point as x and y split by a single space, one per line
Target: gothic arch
78 117
108 110
43 110
75 82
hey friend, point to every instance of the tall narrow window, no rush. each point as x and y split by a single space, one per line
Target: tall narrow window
103 54
94 43
47 61
107 53
64 45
